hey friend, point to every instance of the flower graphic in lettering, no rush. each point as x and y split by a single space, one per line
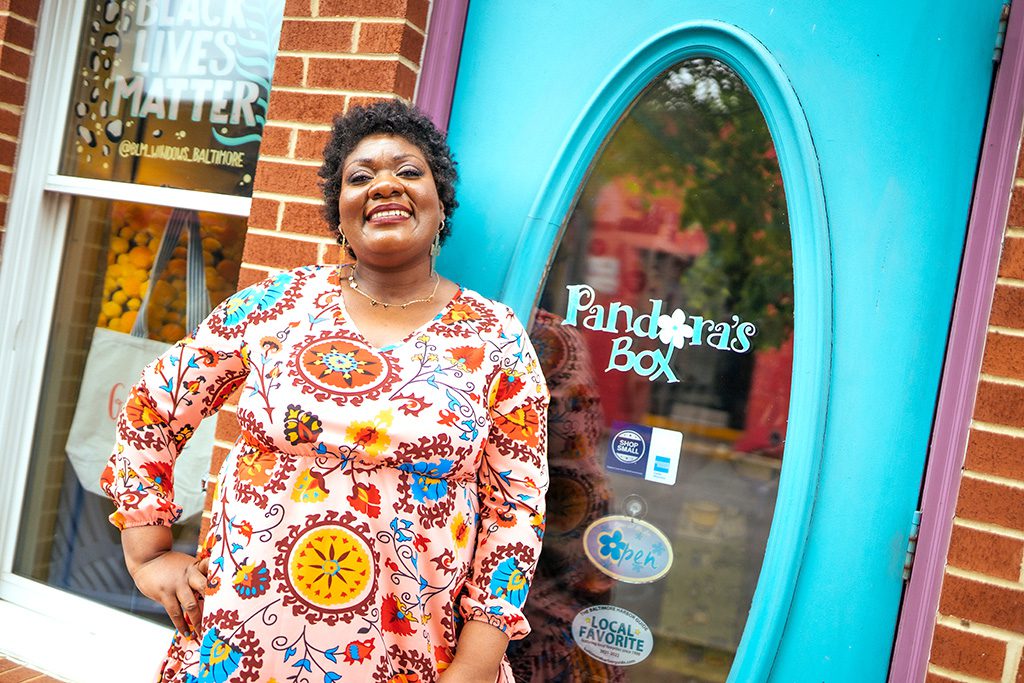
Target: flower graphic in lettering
673 329
612 545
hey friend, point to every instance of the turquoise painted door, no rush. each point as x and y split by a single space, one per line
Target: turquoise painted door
874 112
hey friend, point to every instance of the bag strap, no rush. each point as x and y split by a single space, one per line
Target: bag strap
197 305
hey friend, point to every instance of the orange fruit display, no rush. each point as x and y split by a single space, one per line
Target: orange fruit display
135 233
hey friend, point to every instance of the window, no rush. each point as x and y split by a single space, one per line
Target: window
165 105
666 331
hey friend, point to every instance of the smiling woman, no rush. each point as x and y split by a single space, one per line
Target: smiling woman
388 416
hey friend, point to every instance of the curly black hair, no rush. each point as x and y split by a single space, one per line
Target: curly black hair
387 117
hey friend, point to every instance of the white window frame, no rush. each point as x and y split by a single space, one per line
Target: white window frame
97 643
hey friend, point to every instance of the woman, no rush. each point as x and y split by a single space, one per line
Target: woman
380 516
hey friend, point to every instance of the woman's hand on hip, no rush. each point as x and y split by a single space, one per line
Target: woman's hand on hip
175 580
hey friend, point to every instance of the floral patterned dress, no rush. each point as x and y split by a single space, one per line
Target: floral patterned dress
375 499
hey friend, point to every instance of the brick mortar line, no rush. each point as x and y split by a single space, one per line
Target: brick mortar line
15 77
957 676
346 93
989 528
270 270
357 31
6 169
9 138
294 236
979 577
999 379
373 57
1013 655
1009 282
1005 430
17 48
296 125
13 108
291 161
355 20
1016 232
1011 331
287 198
954 622
994 479
349 56
25 20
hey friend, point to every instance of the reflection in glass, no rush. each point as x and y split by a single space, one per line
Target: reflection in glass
172 94
675 279
65 539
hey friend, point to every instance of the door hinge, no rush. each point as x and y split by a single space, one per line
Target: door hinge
1004 20
908 560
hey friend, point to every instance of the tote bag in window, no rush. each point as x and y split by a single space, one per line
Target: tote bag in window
116 361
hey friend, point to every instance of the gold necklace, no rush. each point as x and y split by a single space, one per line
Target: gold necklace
355 286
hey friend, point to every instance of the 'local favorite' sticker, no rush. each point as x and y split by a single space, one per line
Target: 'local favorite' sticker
612 635
628 549
650 453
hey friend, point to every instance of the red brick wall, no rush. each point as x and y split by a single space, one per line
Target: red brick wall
332 54
979 633
17 36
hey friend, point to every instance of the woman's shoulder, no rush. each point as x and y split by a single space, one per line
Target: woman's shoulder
493 307
268 298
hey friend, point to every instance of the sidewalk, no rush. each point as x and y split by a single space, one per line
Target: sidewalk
12 672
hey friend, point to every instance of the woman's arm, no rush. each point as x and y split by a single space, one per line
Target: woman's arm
187 383
478 655
175 580
512 478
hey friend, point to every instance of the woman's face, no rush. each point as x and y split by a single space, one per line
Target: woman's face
389 208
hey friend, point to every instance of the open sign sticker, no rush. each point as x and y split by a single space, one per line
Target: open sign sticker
612 635
628 549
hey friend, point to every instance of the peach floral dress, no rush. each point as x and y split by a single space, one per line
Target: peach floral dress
376 498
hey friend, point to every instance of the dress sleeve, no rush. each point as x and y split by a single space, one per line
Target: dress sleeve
512 479
188 382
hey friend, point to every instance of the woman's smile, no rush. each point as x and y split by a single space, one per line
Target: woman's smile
388 213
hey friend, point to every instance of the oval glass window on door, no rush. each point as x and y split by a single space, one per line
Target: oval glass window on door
665 329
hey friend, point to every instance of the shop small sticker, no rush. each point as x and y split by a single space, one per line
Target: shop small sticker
650 453
612 635
675 331
628 549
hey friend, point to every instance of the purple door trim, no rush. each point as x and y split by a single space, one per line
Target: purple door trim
441 59
963 358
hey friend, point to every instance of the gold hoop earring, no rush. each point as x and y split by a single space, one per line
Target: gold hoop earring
344 244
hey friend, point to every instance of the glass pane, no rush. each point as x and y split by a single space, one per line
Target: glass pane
172 94
665 330
64 538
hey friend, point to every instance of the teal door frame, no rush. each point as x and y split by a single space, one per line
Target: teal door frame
805 198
